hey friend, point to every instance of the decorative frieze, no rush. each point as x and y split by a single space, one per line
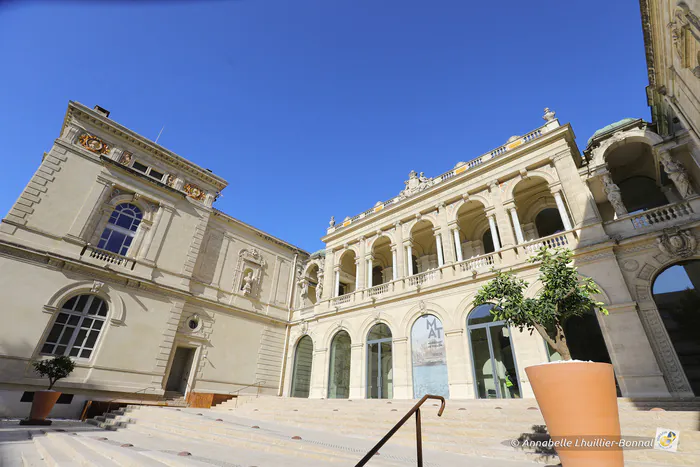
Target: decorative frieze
677 242
194 192
93 143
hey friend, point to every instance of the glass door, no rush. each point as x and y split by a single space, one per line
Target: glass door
380 375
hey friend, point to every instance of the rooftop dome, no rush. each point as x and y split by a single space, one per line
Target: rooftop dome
611 127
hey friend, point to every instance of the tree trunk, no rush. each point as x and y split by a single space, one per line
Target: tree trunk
557 342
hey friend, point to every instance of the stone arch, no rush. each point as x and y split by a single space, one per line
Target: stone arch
531 175
424 308
148 209
310 264
370 321
667 358
116 311
455 207
636 135
385 233
333 330
345 251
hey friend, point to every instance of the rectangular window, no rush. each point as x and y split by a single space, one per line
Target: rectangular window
140 167
155 174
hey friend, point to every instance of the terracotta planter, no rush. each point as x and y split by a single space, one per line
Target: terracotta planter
578 401
42 404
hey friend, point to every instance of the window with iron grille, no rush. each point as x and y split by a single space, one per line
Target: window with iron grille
77 327
121 229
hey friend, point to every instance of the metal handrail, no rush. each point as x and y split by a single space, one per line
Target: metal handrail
419 442
255 384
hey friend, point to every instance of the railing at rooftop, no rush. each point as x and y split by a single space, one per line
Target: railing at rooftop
450 174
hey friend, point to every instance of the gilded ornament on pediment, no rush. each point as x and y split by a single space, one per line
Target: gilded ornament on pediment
94 144
193 191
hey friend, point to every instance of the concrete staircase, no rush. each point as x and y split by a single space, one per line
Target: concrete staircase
270 431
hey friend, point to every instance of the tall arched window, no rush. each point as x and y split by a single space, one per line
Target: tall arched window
77 327
429 358
121 229
339 374
301 377
493 358
380 379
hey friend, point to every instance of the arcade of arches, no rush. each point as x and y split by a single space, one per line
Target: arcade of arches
490 347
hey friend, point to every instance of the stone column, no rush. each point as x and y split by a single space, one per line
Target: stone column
370 261
394 262
516 224
409 258
459 365
358 267
400 270
562 210
328 275
362 280
458 244
438 244
449 255
494 232
357 370
336 292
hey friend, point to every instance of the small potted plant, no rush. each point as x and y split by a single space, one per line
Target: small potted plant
54 369
578 399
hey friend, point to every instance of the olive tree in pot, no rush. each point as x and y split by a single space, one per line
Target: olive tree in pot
54 369
578 399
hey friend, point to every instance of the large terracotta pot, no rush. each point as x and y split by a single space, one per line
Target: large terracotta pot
578 401
42 404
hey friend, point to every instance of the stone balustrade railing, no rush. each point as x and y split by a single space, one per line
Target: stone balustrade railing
448 175
380 289
558 240
480 263
423 277
661 215
107 257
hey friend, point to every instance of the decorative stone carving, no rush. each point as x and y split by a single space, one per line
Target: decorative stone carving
415 184
678 175
249 272
630 265
304 327
614 195
194 192
677 242
248 283
549 115
304 286
170 181
319 287
96 286
332 222
126 158
93 143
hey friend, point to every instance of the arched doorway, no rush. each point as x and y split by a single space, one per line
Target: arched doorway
301 376
548 222
493 358
677 295
339 375
429 358
380 375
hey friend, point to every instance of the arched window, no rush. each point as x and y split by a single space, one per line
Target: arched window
301 377
380 375
493 358
339 377
121 228
429 358
77 327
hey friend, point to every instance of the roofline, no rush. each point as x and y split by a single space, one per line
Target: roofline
218 182
260 232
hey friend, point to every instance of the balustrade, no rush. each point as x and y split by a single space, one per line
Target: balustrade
475 264
661 215
379 289
424 277
108 257
553 241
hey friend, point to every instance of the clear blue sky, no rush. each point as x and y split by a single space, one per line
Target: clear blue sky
313 108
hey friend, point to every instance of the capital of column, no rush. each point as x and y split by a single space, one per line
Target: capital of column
408 242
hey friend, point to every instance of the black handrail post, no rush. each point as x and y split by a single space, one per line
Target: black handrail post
419 440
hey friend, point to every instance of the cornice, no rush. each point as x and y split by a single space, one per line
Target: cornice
82 113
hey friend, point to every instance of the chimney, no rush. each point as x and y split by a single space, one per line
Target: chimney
102 111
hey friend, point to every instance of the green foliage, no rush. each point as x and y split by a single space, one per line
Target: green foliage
565 294
55 368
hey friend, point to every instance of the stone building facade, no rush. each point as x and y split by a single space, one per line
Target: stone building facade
114 244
